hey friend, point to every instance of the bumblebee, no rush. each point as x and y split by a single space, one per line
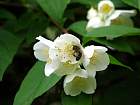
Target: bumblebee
77 52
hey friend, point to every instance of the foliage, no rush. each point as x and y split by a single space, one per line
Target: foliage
21 21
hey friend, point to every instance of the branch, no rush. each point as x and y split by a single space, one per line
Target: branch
59 26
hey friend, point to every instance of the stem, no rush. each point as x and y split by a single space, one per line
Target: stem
31 7
59 26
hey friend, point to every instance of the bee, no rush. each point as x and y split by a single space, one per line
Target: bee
77 52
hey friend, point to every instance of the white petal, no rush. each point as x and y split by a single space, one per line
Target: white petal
39 45
90 85
86 61
45 41
53 53
51 67
41 51
79 73
101 61
95 22
107 22
100 49
65 38
105 7
73 84
66 69
91 69
88 51
80 82
72 90
91 13
127 13
59 68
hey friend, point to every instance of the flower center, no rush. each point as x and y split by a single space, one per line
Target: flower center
93 58
106 8
70 53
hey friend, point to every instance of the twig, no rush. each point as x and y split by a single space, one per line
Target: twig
29 6
59 26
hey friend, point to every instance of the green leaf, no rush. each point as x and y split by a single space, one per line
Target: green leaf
36 28
118 3
79 27
117 44
81 99
87 2
94 3
4 14
8 48
114 61
54 8
34 85
112 31
134 3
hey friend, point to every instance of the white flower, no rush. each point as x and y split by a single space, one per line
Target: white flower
105 8
69 48
96 22
105 14
61 56
96 59
92 13
79 82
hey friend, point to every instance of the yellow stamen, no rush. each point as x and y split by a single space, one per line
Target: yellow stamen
67 64
106 8
49 61
93 58
67 50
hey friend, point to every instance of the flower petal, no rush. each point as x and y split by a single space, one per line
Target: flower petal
51 67
45 41
73 83
100 49
79 82
95 22
71 89
91 13
90 85
53 53
66 38
88 51
101 62
41 51
79 72
106 7
66 69
127 13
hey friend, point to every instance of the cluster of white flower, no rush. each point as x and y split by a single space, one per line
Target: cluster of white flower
105 15
66 56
